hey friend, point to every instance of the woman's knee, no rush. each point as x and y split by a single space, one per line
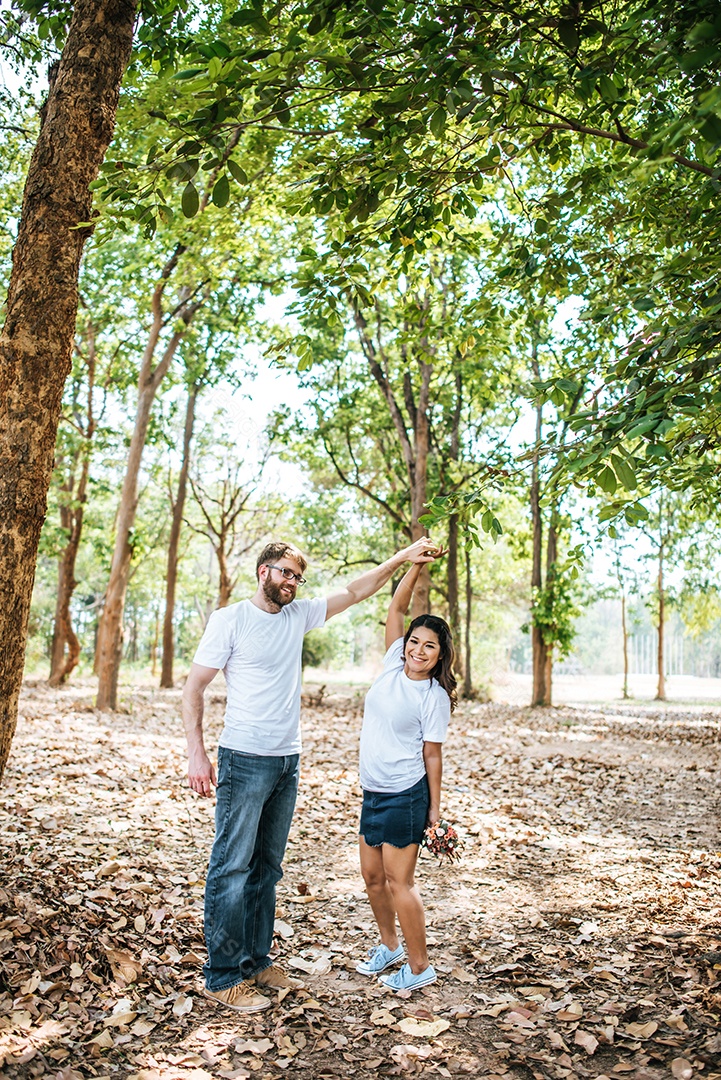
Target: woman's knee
374 880
400 883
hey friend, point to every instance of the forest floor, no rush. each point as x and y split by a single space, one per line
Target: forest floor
580 935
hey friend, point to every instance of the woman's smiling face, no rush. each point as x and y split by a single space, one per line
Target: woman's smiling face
422 651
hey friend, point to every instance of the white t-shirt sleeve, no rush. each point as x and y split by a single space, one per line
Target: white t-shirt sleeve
393 656
216 643
434 722
315 613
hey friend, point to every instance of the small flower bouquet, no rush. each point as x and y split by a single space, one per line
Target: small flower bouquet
443 841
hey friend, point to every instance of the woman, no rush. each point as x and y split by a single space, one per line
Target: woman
405 721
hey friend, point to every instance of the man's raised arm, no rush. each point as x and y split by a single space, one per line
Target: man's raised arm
422 551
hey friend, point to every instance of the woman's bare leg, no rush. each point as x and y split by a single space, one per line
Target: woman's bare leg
379 893
399 865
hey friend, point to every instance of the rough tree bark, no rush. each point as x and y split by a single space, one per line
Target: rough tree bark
37 337
110 636
171 577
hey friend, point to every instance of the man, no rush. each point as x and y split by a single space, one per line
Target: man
258 644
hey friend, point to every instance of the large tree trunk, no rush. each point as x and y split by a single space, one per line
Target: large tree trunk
37 338
661 687
171 578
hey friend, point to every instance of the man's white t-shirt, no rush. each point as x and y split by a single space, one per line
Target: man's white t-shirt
260 655
400 715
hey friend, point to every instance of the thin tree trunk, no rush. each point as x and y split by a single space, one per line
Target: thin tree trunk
421 602
551 555
171 578
225 584
454 615
37 337
539 694
71 519
661 689
110 637
467 680
64 636
624 630
154 643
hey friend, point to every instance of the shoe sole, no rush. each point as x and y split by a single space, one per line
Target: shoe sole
377 971
237 1008
416 985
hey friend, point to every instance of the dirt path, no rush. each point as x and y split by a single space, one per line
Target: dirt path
580 935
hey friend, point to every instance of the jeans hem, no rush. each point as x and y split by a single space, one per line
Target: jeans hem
220 989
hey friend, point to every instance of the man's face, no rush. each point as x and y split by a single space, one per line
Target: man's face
276 588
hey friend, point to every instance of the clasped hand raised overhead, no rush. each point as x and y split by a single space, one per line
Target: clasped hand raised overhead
424 550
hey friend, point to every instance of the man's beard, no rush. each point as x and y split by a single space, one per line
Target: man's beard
273 594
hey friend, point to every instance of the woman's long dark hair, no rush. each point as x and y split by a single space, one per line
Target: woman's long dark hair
443 671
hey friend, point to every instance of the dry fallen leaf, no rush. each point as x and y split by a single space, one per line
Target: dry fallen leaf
120 1019
320 966
422 1029
31 985
586 1040
641 1031
183 1004
382 1018
124 967
682 1069
407 1055
253 1046
556 1040
457 972
571 1012
104 1039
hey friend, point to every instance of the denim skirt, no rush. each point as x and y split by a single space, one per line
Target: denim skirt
398 818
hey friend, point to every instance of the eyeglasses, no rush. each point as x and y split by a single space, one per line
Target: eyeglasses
287 574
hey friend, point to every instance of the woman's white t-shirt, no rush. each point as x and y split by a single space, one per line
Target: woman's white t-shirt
260 654
400 715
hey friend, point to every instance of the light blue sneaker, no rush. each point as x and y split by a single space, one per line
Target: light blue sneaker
406 980
380 957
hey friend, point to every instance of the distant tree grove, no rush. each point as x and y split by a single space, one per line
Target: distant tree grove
484 242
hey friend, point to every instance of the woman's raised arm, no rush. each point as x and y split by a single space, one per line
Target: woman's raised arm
400 602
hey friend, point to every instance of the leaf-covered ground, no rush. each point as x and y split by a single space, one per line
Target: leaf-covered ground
580 935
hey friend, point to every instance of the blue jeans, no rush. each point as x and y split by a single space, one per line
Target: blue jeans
255 802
